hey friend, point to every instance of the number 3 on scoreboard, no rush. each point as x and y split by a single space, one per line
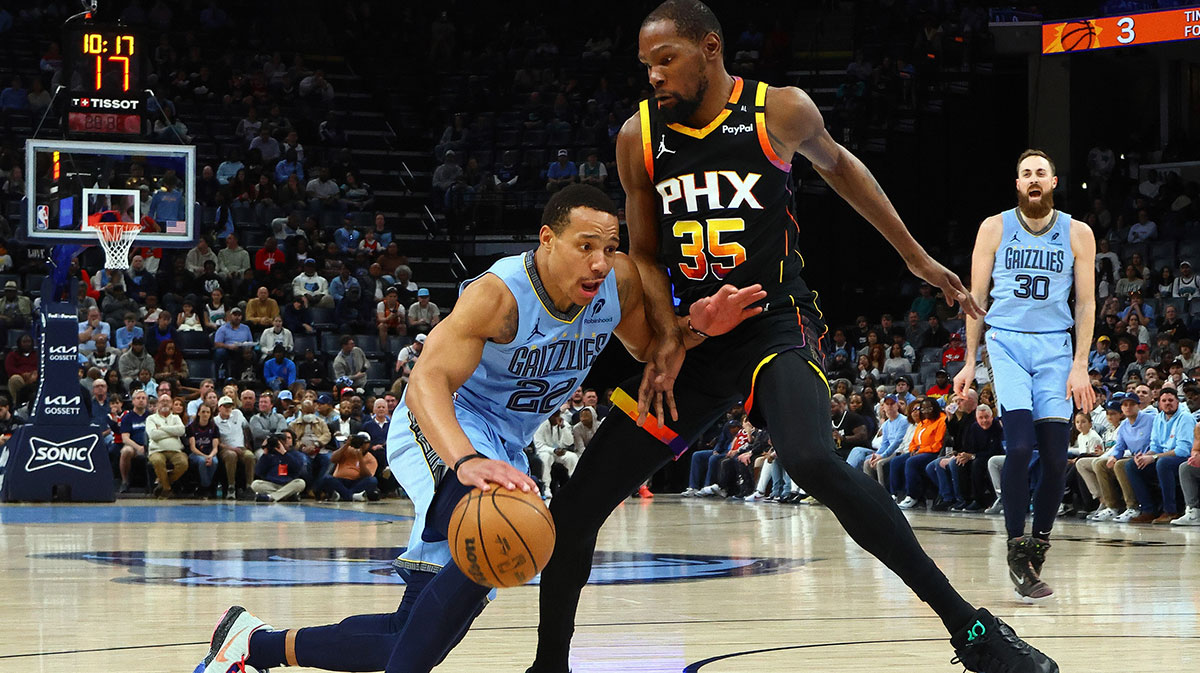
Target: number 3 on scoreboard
1126 35
693 247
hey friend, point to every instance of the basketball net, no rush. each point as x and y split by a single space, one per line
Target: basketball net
116 238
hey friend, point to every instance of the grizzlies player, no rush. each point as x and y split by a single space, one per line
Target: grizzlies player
1032 257
520 340
706 167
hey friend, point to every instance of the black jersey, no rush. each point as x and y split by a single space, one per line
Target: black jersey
724 205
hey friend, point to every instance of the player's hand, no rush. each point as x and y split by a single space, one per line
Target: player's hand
1079 387
483 472
932 272
657 391
963 379
726 308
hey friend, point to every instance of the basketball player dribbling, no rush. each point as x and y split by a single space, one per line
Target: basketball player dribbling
705 168
1032 257
520 339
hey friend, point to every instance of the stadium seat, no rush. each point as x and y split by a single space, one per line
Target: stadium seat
303 342
1194 308
397 343
14 336
369 343
379 374
199 370
928 369
330 343
1130 248
323 318
1162 253
33 284
953 368
930 355
194 344
1177 302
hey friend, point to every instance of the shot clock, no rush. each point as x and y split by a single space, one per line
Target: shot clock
106 93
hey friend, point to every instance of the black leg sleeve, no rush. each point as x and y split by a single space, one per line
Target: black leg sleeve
618 458
794 400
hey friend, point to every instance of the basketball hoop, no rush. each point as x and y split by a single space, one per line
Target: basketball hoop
116 238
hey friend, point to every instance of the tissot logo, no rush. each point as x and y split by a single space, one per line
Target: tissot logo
75 454
107 103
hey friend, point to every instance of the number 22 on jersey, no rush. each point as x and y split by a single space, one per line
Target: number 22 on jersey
696 237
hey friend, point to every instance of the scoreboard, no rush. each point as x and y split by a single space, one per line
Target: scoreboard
1121 31
105 62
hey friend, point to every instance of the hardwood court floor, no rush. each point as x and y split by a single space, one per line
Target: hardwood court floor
718 587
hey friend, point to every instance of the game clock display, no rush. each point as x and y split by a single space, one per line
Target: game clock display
106 93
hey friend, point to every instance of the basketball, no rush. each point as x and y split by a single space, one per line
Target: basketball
1078 35
501 538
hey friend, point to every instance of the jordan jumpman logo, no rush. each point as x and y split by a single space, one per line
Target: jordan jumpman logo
662 147
536 331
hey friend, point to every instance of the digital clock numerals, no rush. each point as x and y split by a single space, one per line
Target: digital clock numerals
122 48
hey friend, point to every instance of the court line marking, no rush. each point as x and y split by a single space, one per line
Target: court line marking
696 666
704 621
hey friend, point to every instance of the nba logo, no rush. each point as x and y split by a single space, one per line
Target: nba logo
43 217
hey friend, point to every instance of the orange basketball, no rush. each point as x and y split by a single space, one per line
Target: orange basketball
501 538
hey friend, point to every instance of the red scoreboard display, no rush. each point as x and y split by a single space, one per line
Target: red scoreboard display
106 96
1121 31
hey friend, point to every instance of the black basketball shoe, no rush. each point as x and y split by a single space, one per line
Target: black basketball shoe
1026 581
988 645
1037 553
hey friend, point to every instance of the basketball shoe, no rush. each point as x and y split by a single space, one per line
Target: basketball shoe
1027 583
988 645
231 643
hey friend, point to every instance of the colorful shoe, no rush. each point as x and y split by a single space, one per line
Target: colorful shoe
1037 553
644 492
231 643
1027 584
988 645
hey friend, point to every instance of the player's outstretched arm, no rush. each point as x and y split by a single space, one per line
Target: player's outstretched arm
710 316
1079 385
982 259
795 125
486 311
662 365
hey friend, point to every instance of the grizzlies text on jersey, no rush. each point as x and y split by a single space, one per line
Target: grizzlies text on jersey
1032 277
518 384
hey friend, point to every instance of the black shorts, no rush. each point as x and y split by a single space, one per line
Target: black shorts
720 373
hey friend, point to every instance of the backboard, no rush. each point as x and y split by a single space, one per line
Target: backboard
70 184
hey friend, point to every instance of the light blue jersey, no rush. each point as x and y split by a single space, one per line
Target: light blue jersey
1028 346
1032 277
515 387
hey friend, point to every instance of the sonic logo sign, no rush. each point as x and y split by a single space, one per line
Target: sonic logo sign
75 454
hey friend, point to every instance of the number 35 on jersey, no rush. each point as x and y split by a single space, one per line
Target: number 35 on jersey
705 245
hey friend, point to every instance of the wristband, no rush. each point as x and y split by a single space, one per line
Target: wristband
466 458
696 331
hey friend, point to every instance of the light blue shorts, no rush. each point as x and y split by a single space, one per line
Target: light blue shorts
1030 372
419 470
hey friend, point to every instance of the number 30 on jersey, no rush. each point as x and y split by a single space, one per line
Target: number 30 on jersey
701 241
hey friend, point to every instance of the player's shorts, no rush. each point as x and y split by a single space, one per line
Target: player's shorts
1030 372
420 471
721 372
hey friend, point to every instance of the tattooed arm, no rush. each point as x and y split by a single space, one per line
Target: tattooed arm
795 125
486 311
